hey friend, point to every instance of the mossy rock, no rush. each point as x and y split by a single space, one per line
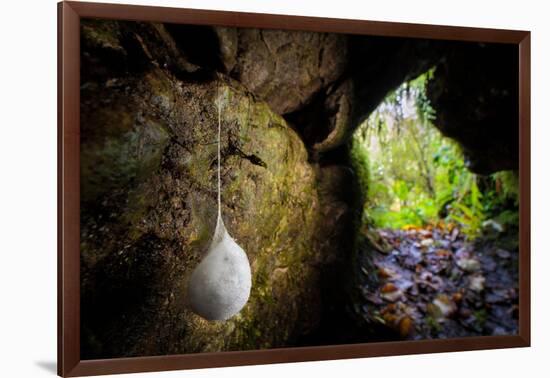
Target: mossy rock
149 190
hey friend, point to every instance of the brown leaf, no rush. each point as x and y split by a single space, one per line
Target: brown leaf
389 308
443 253
425 233
457 297
405 326
388 288
390 292
384 273
389 319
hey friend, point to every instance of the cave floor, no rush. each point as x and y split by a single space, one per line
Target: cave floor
433 283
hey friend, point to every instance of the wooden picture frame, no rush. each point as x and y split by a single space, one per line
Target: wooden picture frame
69 361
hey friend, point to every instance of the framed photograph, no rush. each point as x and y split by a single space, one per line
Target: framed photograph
239 188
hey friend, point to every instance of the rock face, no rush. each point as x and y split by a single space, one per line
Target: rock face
148 181
265 61
380 64
375 67
475 93
289 195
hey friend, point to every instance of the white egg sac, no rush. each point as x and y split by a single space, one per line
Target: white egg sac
220 285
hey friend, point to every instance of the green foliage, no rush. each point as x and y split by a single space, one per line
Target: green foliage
481 317
415 176
360 161
433 325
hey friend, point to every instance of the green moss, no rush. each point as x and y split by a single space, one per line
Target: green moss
101 33
433 325
481 317
114 161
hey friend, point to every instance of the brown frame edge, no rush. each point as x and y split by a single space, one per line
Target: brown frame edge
69 14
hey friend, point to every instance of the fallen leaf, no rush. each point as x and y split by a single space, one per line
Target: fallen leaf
465 313
388 288
443 253
390 292
405 326
503 254
469 265
425 233
445 305
426 242
433 311
378 242
457 297
454 234
477 283
388 273
463 252
403 284
389 308
390 319
372 298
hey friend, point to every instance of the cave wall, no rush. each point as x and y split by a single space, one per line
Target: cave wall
290 197
475 93
148 158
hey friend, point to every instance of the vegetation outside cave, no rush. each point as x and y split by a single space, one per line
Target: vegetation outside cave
441 239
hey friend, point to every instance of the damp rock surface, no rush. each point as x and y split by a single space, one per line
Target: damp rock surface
149 211
267 65
289 196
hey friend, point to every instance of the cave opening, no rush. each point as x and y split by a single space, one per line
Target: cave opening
440 239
